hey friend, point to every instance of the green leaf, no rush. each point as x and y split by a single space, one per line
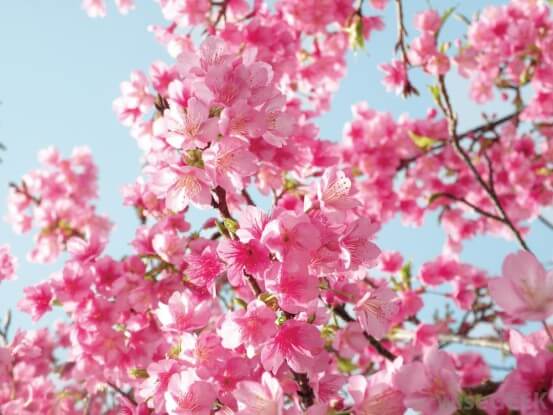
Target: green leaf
435 92
433 197
421 141
231 225
194 158
447 14
138 373
241 302
346 365
406 274
355 32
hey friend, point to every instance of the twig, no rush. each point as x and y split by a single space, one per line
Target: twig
547 330
469 204
475 130
305 391
379 347
447 109
127 395
6 328
401 33
408 88
484 342
248 198
545 221
221 202
484 389
254 286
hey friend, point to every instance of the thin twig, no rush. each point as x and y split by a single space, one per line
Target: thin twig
484 342
469 204
378 346
248 198
447 109
305 391
127 395
469 133
545 221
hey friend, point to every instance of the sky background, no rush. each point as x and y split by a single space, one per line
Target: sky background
60 71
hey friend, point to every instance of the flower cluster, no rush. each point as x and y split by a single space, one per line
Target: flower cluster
280 302
58 201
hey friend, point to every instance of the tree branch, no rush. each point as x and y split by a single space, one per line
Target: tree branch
546 222
127 395
305 391
469 204
408 89
447 109
485 342
379 347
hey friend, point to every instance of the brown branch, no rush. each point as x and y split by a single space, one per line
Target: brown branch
446 338
469 204
546 222
127 395
25 192
221 202
305 391
400 45
484 389
488 126
248 198
379 347
447 109
254 286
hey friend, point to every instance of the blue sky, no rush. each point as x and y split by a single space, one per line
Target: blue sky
60 71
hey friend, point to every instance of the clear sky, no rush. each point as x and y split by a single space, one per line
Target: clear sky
60 71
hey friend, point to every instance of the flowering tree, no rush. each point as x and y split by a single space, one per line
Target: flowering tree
280 303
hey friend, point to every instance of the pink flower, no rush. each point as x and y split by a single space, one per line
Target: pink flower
252 222
203 267
439 271
428 21
375 396
251 327
155 386
190 128
473 369
251 257
37 300
298 343
87 248
260 398
279 124
242 120
396 76
135 100
390 261
334 191
376 310
183 313
379 4
228 163
8 264
124 6
526 289
94 8
169 246
183 186
529 388
187 395
294 291
431 386
291 232
356 248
